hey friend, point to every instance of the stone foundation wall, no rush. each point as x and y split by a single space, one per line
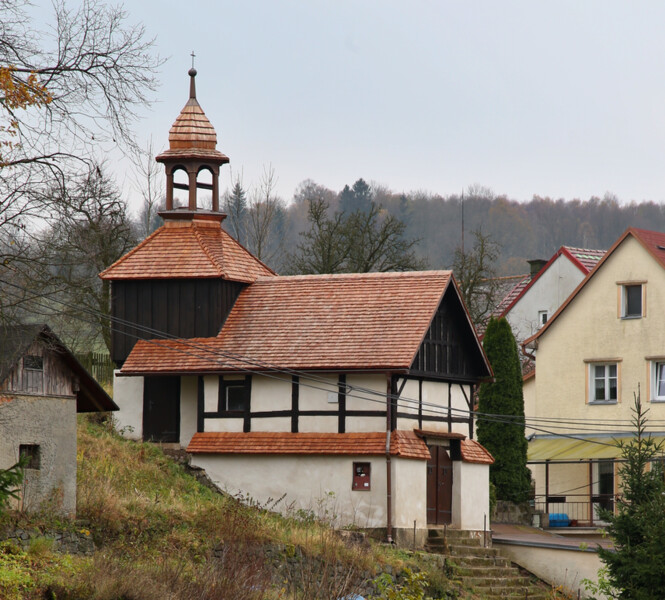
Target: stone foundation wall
66 542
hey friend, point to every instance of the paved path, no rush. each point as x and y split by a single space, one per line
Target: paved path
524 535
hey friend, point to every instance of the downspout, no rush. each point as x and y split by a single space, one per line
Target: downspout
389 481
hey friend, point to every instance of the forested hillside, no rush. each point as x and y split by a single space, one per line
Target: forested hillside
522 230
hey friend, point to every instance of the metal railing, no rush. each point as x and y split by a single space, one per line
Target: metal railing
574 510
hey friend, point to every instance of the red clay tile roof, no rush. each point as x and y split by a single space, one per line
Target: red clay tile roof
652 241
473 452
584 259
587 257
522 281
196 247
328 322
403 444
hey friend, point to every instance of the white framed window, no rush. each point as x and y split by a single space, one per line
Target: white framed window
603 382
542 318
632 305
658 381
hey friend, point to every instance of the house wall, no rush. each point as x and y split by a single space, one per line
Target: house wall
50 423
188 408
128 395
548 292
471 501
263 478
529 394
590 329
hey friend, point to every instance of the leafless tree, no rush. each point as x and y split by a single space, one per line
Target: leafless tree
67 91
265 216
149 182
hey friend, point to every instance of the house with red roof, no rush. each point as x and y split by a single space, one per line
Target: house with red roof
603 345
537 296
351 390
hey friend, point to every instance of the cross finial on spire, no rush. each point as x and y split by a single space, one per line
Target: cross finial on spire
192 74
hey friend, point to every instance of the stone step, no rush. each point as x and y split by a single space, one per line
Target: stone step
484 571
482 561
512 593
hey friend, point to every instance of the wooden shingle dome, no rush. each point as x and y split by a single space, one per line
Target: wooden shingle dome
192 148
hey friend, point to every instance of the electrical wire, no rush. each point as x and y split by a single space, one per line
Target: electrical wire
217 356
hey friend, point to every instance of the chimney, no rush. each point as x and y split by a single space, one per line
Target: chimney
536 265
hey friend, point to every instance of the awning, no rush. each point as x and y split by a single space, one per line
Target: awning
566 449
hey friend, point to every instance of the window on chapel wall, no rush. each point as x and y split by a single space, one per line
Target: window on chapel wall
232 395
632 306
603 382
658 381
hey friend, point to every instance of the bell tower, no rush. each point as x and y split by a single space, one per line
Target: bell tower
192 149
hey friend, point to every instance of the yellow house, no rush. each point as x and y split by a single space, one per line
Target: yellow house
605 344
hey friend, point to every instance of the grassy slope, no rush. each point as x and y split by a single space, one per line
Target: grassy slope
161 535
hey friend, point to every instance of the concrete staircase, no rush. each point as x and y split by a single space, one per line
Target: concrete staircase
484 570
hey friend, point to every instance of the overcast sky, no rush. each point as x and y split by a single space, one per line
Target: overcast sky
560 99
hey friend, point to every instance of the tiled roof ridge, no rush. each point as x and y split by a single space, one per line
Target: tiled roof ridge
135 249
254 258
578 249
204 246
370 275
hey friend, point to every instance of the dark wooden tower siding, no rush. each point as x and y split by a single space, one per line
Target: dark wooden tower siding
177 307
448 351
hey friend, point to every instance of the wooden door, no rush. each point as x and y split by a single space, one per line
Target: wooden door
161 409
439 487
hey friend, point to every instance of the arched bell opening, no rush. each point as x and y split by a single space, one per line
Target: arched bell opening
205 188
180 187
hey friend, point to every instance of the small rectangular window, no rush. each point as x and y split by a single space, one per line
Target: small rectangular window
542 317
34 363
31 454
631 301
235 397
361 476
658 381
604 382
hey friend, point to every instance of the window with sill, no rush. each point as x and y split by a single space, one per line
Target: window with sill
658 381
631 301
542 318
603 382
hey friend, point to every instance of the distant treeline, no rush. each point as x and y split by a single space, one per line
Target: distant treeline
524 230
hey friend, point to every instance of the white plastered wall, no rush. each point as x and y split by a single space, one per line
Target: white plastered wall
128 395
321 484
189 389
548 292
471 502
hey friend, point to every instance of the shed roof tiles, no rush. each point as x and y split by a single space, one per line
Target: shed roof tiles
329 322
404 444
473 452
196 247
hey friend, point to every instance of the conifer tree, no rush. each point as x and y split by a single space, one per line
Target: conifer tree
501 418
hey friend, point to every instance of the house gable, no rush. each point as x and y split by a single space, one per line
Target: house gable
450 349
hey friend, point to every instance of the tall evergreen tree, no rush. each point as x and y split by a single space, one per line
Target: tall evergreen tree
235 206
636 564
359 198
501 418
